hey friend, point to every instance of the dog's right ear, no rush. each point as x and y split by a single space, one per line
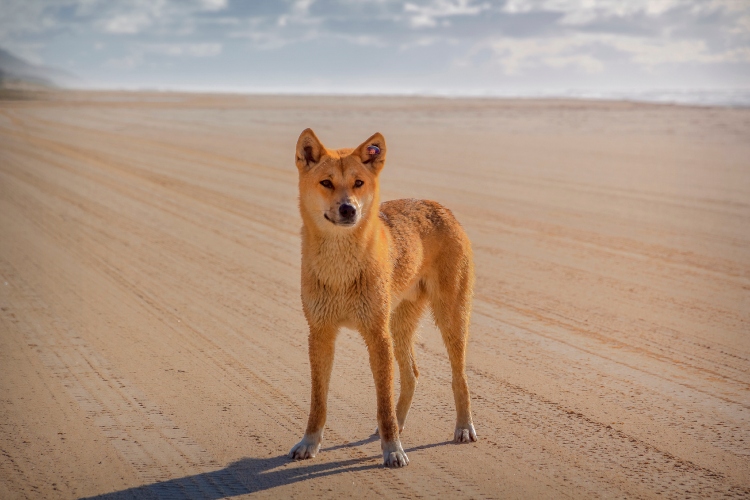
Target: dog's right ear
309 150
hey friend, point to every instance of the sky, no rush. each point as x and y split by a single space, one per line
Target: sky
471 47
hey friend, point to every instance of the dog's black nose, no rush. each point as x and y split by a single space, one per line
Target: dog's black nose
347 211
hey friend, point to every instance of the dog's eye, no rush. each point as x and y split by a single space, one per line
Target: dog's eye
326 183
358 183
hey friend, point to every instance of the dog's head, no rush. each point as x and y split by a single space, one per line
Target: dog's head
338 188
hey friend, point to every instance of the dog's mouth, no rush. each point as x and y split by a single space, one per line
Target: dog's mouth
344 223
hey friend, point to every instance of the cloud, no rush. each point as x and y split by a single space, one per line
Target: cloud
579 12
214 5
299 13
429 15
139 52
130 17
183 49
126 24
517 55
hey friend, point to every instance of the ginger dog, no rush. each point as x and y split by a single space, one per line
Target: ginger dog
375 268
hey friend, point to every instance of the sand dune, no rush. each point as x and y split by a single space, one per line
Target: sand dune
152 341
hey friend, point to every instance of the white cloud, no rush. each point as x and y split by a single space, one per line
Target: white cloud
299 13
741 27
582 12
421 16
265 35
126 24
183 49
128 62
139 52
129 17
517 55
578 12
650 52
425 41
214 5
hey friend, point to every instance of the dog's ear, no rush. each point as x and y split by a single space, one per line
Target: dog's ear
309 150
372 152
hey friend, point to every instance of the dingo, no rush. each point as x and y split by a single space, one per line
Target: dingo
375 268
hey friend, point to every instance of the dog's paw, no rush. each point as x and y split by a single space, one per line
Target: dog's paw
394 455
465 434
307 448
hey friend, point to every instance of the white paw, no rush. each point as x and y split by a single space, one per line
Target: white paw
307 448
394 455
465 434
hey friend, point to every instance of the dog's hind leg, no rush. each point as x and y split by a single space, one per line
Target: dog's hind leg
404 322
451 306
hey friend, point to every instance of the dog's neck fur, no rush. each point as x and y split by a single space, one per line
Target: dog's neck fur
339 258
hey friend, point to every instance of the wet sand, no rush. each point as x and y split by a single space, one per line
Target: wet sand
152 341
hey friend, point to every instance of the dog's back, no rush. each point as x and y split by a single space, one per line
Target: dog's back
428 244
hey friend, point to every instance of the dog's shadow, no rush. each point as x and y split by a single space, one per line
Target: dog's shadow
251 475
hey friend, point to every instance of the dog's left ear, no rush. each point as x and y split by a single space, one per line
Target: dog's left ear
372 152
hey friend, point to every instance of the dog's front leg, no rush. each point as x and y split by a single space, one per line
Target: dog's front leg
321 348
380 347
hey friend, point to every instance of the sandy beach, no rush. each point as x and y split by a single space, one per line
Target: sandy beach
152 341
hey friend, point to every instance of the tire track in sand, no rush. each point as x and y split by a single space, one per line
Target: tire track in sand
137 428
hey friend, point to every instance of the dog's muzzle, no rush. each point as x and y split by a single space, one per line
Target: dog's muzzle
347 212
